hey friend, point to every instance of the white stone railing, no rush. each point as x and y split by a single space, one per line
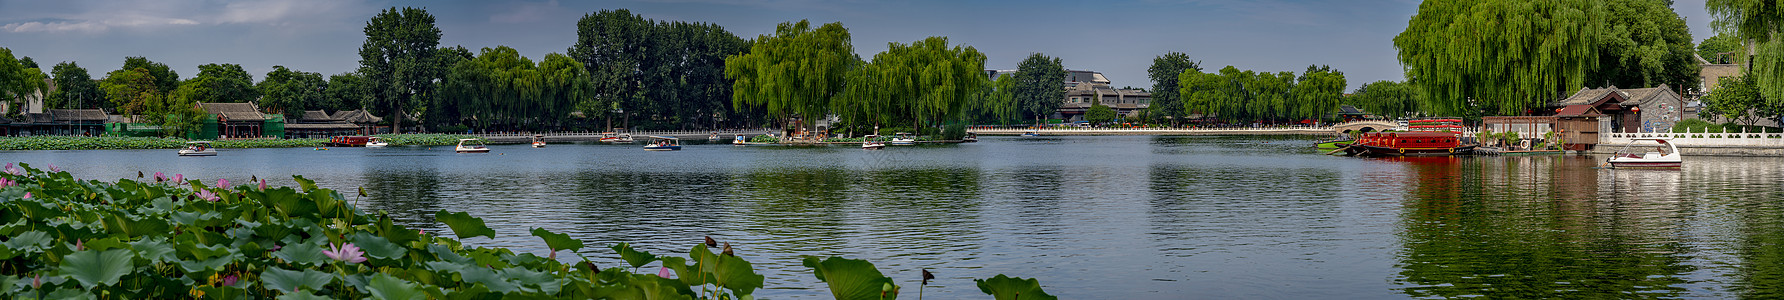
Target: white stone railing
1699 139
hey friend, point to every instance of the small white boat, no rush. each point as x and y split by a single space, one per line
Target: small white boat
739 140
538 141
872 142
375 142
970 138
713 138
471 146
903 139
1030 133
1663 155
198 148
663 143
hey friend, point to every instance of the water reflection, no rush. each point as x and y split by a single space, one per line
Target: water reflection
1538 228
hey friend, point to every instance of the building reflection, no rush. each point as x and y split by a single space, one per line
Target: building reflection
1536 227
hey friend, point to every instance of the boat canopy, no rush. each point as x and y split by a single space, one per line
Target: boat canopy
199 142
664 137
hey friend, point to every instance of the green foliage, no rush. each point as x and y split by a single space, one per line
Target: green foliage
633 257
398 60
997 104
954 131
165 79
292 92
1510 138
1712 48
557 241
138 91
1644 43
1166 97
347 91
94 268
1013 288
797 71
1037 89
852 279
1386 98
1739 99
1499 56
464 225
1100 114
1236 95
499 88
219 83
75 89
923 83
18 80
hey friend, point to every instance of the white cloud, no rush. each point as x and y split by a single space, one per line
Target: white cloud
97 16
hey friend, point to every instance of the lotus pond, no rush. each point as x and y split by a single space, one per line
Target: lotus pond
1111 217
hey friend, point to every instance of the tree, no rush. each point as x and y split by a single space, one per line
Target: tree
137 92
924 83
75 88
1039 87
1165 69
1738 99
347 91
611 45
1712 48
28 63
797 71
997 103
1644 44
293 92
398 59
1317 93
1503 56
1386 98
1759 22
224 83
1100 114
164 78
17 81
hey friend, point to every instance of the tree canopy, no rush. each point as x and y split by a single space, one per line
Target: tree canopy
75 88
1499 56
925 82
669 73
292 92
218 83
164 78
1244 95
17 81
1738 99
797 71
499 88
1644 44
398 60
347 91
1712 48
1039 89
1386 98
1164 72
1761 22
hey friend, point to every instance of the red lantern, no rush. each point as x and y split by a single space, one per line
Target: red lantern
1636 109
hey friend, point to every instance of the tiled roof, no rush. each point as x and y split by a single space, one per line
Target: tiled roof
78 115
234 111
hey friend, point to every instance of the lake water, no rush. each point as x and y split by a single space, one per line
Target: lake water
1122 217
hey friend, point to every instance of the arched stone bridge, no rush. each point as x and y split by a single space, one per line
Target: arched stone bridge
1364 126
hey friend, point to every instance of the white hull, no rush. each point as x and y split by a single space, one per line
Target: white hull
376 145
206 152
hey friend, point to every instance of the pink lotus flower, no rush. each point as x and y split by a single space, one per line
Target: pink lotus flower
664 273
179 179
27 195
7 182
160 177
229 281
207 195
13 171
78 246
263 184
36 281
347 253
222 183
54 169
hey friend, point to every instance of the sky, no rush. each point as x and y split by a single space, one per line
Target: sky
1118 37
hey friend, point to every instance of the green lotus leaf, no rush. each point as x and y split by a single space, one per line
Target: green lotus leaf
632 256
223 292
67 293
558 241
305 295
468 292
736 274
101 244
154 249
201 252
464 225
1013 288
378 247
396 233
850 279
477 275
8 283
302 254
289 281
213 264
386 287
32 241
97 268
136 227
688 274
546 282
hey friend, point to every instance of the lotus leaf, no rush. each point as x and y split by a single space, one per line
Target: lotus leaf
101 244
632 256
97 268
300 296
378 247
33 241
289 281
464 225
302 254
557 241
1013 288
737 275
850 279
477 275
384 286
154 249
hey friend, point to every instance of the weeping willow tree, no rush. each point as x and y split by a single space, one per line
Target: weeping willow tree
1499 56
797 71
923 83
1758 22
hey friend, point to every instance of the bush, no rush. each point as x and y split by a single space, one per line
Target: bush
954 131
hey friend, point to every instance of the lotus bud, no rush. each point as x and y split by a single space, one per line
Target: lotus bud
710 242
222 183
263 184
927 276
663 272
138 174
229 281
179 179
36 281
27 195
78 246
885 288
728 249
553 255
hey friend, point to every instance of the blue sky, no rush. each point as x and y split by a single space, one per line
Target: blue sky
1118 38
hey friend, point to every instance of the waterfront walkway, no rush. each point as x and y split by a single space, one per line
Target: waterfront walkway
1292 130
588 136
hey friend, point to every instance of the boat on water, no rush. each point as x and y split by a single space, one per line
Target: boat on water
349 141
1030 133
198 148
375 142
739 140
714 137
872 142
1663 155
663 143
1332 143
622 138
538 141
903 139
471 146
1411 143
970 137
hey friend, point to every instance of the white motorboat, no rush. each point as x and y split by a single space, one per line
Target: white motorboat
971 137
1663 155
663 143
872 142
538 141
471 146
375 142
1030 133
713 138
198 148
623 138
903 139
739 140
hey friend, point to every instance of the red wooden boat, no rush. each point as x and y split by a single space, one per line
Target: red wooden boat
347 141
1414 143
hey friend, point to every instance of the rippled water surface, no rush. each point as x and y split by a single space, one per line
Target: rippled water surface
1090 217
